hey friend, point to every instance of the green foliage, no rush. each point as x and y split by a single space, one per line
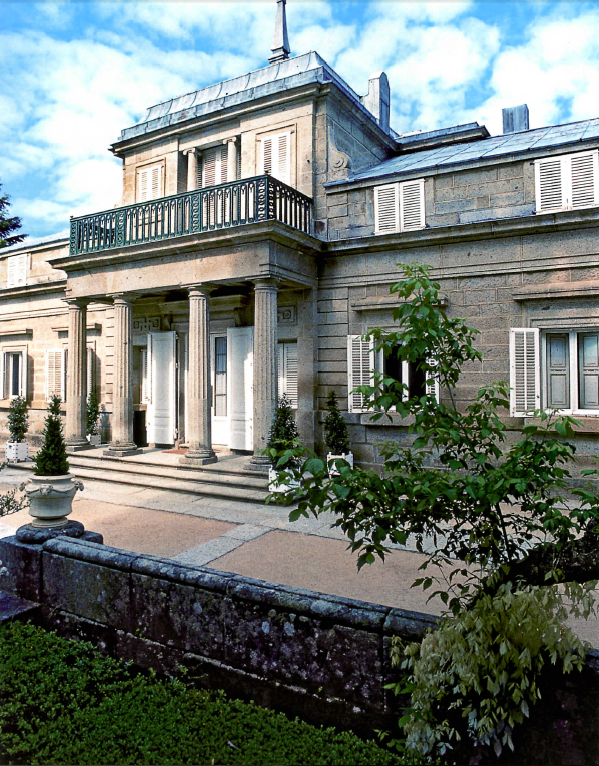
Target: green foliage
8 226
92 413
51 460
335 429
61 702
12 501
476 677
18 420
283 436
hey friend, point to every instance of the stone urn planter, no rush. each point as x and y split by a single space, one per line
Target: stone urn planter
50 499
347 456
17 451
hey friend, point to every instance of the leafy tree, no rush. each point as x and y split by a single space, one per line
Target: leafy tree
92 413
8 225
51 460
335 428
283 435
18 420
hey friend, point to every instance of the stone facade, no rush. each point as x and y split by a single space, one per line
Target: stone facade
209 217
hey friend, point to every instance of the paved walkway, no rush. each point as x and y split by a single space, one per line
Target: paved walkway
245 538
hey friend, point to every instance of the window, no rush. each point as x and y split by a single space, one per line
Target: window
399 207
556 370
149 183
145 379
220 376
275 157
287 383
16 270
214 167
56 373
568 182
14 366
362 362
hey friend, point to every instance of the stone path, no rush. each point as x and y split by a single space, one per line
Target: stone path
245 538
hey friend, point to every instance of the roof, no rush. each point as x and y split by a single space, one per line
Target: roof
284 75
487 148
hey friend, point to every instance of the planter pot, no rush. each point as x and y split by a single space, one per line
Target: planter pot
349 457
272 477
95 440
50 499
17 451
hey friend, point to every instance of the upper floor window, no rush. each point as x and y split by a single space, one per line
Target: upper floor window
150 182
214 167
16 270
275 157
399 207
567 182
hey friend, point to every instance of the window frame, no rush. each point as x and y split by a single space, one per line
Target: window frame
63 374
284 358
14 350
161 181
289 178
566 177
573 367
399 192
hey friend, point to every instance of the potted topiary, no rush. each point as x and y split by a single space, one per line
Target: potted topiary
336 436
92 417
283 435
18 422
51 489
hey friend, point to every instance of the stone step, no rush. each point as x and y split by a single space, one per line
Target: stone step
15 608
196 486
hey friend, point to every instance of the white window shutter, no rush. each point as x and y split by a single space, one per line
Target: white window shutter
144 375
525 375
147 371
55 373
23 375
360 364
283 163
156 182
214 166
149 183
276 157
386 208
143 185
411 205
549 184
287 372
267 163
89 360
584 177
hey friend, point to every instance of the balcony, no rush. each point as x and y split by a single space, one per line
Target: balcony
229 205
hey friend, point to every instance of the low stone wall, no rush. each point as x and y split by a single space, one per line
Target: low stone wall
324 658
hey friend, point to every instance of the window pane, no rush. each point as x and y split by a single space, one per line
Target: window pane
588 370
558 371
14 374
417 380
220 377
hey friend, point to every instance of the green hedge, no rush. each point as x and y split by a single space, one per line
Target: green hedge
61 702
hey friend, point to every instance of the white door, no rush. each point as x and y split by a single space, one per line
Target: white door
240 377
160 419
219 376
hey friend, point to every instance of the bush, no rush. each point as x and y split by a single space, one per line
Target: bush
335 429
51 460
92 413
283 435
18 420
61 702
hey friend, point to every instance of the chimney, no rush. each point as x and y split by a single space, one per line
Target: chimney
515 119
378 100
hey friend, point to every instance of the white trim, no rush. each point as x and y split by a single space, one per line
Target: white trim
525 383
574 366
399 207
557 183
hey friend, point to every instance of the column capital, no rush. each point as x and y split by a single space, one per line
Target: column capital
265 283
230 139
80 303
124 298
204 290
193 150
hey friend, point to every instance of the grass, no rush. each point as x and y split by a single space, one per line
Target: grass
61 702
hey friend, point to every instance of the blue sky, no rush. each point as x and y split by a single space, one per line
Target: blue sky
73 74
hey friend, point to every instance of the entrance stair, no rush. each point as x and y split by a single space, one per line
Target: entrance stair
228 479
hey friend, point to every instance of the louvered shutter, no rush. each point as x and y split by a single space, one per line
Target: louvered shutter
144 376
287 383
55 373
23 375
360 364
149 183
411 205
214 166
583 175
386 208
549 182
89 359
276 157
525 378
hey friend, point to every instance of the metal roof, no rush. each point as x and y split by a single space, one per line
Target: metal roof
291 73
487 148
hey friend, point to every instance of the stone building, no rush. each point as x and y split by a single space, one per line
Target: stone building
259 231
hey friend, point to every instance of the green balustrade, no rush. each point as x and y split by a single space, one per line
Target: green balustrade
238 203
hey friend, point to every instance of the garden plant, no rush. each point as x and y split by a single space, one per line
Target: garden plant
18 419
51 460
497 521
92 413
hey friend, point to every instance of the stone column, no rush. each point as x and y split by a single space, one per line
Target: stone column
231 144
265 366
192 169
199 436
122 398
76 376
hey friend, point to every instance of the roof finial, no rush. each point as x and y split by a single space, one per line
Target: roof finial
280 41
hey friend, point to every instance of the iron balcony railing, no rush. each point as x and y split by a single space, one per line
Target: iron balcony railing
238 203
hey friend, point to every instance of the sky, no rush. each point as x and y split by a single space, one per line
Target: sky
74 74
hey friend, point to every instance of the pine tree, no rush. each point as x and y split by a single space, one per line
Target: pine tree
336 435
8 225
51 460
18 420
283 432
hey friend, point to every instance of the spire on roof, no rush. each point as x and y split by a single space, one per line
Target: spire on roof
280 41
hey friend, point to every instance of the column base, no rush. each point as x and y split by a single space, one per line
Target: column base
258 464
121 450
198 457
76 445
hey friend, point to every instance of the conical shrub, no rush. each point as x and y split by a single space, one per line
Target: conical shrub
51 460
